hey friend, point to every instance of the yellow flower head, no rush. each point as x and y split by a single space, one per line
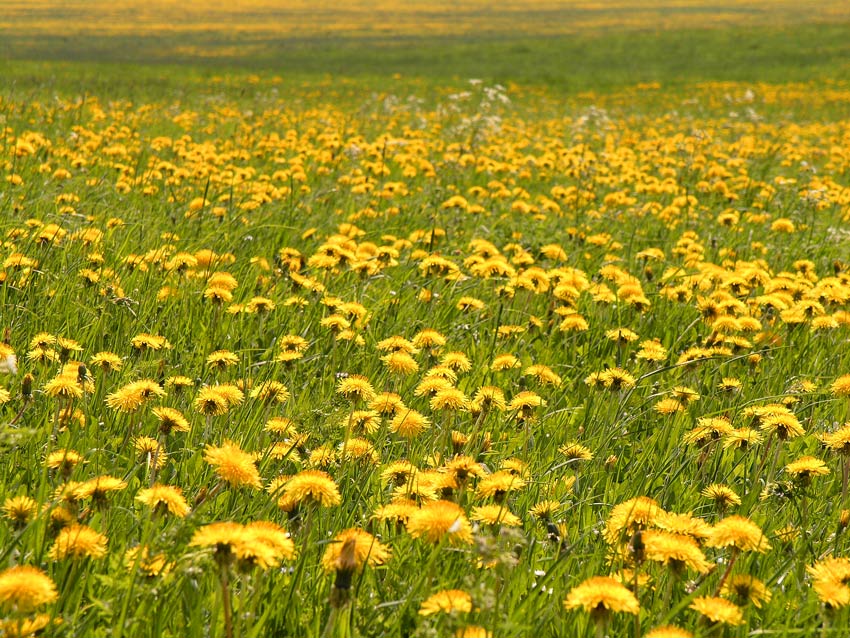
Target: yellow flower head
309 487
438 520
233 466
449 601
78 541
367 550
601 595
24 588
739 532
718 610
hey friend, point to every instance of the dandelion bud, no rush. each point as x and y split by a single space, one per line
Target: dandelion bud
611 461
26 386
844 519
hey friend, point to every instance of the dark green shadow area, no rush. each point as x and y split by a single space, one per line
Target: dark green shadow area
603 60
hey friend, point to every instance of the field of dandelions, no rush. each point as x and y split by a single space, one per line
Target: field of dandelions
313 357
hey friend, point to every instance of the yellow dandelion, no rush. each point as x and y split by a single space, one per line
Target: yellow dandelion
718 610
164 498
24 588
309 487
601 595
449 601
739 532
440 520
368 550
233 466
78 541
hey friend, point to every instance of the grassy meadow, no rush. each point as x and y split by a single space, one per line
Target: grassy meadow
425 319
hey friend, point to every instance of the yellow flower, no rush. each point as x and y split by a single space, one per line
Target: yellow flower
504 362
222 359
576 452
210 402
270 392
106 361
629 516
64 386
682 524
739 532
170 420
602 594
78 541
449 399
400 363
28 627
144 341
165 497
669 631
24 588
746 589
20 509
722 496
367 549
498 485
132 396
718 610
409 424
438 520
676 550
356 388
98 487
841 386
806 467
151 565
223 536
309 487
388 403
272 535
495 515
233 466
448 601
617 379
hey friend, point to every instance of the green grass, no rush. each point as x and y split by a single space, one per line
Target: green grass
584 61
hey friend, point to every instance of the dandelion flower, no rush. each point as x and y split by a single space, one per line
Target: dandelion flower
718 610
78 541
367 549
602 594
232 465
739 532
438 520
495 515
669 631
270 392
745 589
676 550
409 424
309 487
448 601
24 588
164 498
356 388
132 396
170 420
210 402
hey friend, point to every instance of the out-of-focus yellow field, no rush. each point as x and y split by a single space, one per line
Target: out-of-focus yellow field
358 18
